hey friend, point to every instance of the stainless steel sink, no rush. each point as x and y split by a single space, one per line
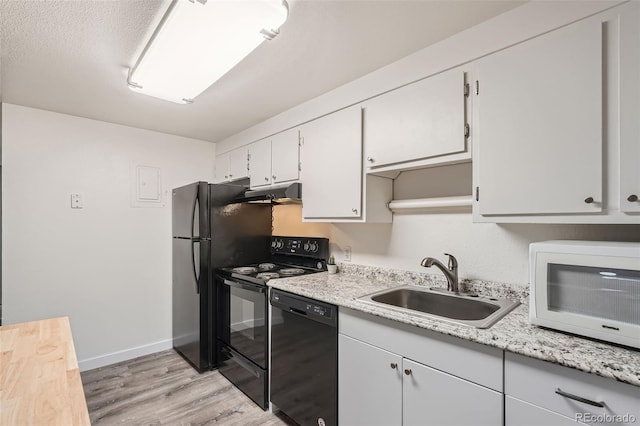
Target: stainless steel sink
472 310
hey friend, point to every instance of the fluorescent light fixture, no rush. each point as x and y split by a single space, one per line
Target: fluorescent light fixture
198 41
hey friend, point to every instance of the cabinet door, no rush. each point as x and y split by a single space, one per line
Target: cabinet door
433 397
630 111
332 166
369 385
239 163
539 129
420 120
285 158
260 163
222 168
520 413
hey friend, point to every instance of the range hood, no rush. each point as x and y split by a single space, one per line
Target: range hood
284 194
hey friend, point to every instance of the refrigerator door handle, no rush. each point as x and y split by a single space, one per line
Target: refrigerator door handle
195 264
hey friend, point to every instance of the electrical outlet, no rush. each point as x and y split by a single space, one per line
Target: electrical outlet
347 254
76 201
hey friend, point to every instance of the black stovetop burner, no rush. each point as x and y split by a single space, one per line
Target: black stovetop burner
260 273
290 256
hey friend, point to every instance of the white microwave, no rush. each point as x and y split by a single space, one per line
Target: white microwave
587 288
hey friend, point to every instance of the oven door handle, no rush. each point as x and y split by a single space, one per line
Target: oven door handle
250 287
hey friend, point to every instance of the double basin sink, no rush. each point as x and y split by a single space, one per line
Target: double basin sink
466 309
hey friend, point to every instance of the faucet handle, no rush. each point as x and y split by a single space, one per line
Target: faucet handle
453 262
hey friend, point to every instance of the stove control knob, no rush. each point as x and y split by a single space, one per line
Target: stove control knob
280 244
274 244
314 247
307 246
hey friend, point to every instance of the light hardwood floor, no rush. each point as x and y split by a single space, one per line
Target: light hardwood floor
163 389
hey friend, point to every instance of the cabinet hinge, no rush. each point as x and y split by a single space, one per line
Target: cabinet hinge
299 166
466 90
477 193
467 130
477 87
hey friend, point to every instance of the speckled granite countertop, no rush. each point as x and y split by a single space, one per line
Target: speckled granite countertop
513 333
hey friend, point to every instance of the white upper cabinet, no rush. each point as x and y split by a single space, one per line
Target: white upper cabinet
629 195
285 156
332 165
232 165
275 160
539 141
239 163
421 120
556 130
260 163
222 168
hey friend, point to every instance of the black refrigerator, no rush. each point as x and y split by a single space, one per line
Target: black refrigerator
210 230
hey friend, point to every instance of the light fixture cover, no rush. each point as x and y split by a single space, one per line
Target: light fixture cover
198 41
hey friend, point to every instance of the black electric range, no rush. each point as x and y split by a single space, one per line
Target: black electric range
289 256
243 343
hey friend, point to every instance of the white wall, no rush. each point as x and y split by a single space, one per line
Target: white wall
484 251
106 266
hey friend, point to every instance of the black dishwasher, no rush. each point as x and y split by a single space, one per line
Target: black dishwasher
304 359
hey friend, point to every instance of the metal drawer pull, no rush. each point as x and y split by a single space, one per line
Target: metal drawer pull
589 200
407 371
632 198
579 398
394 365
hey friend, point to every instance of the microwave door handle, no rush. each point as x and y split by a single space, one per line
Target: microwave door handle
249 287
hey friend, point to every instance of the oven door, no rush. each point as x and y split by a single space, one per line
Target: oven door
243 323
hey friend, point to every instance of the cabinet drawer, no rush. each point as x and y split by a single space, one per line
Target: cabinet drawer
520 413
539 382
468 360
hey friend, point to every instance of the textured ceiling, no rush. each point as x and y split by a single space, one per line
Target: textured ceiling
72 56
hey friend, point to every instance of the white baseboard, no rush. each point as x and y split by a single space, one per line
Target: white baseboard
115 357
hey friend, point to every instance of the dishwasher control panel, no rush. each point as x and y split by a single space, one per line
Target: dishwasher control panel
303 306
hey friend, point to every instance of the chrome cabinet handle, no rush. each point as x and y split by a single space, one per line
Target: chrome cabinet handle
579 398
588 200
355 211
632 198
369 159
274 177
266 179
394 365
407 371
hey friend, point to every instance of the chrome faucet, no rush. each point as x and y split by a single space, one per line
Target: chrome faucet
450 272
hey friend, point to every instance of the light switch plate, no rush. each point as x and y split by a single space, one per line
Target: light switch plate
347 254
76 201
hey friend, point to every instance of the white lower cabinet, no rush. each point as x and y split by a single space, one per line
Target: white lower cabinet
520 413
382 386
433 397
369 384
584 397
